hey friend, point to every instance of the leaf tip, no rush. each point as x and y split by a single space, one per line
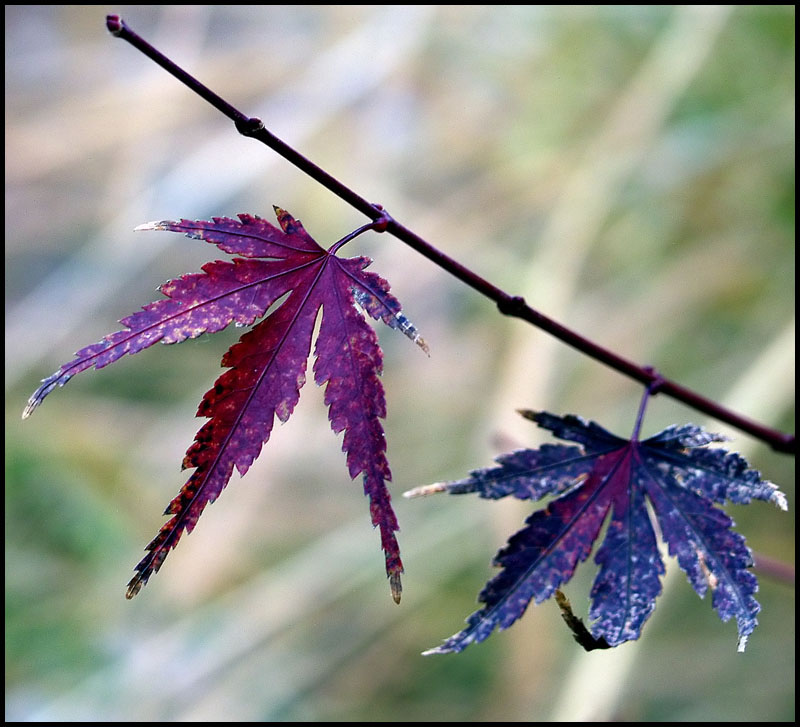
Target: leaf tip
134 586
425 490
777 497
288 223
435 650
396 586
162 225
32 404
448 646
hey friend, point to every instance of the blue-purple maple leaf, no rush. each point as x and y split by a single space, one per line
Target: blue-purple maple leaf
266 368
607 478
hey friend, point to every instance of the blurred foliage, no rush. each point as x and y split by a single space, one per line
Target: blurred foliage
629 169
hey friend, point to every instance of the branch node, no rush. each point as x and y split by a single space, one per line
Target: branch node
381 223
249 126
512 305
656 380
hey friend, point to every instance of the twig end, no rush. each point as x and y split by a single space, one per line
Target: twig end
115 24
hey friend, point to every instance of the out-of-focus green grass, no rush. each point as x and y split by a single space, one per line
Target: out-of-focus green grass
629 170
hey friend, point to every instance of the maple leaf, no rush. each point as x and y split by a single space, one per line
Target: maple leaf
267 367
608 478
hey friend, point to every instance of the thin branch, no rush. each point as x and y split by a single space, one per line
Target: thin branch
510 305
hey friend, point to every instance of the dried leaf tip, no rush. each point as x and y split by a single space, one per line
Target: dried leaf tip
134 586
33 402
161 225
420 341
778 498
579 631
409 330
394 319
37 396
426 490
396 586
740 646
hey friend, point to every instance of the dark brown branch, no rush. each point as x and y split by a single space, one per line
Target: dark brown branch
509 305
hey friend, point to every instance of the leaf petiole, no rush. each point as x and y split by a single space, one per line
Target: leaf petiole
650 389
379 225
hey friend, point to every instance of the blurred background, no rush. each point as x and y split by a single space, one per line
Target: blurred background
629 170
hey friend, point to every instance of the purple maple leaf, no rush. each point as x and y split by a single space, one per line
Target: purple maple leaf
267 367
608 478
